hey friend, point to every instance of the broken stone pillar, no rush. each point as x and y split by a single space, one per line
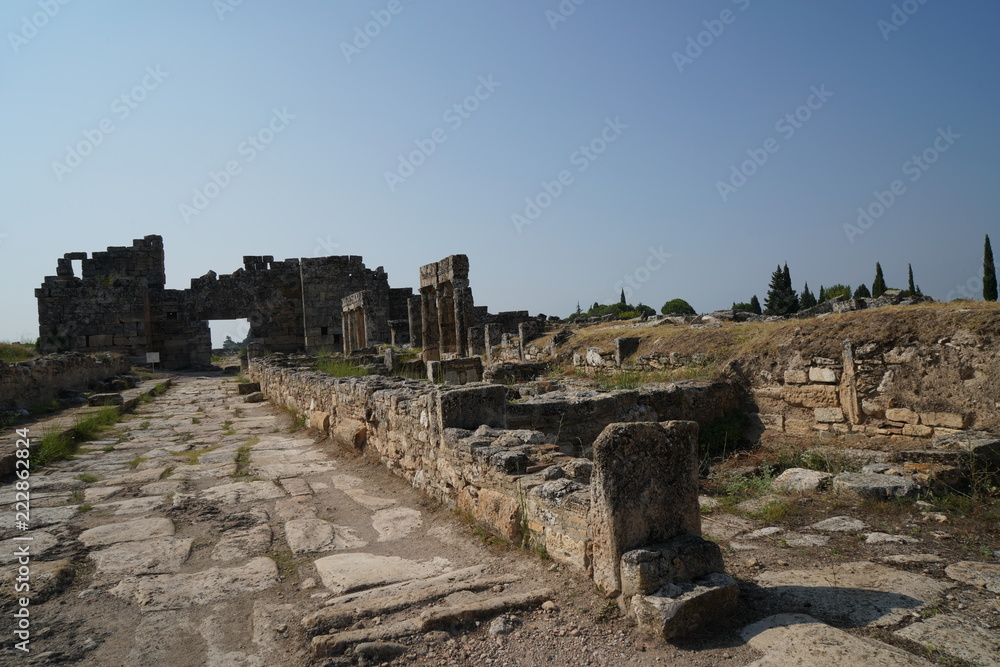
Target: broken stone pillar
413 312
644 491
646 529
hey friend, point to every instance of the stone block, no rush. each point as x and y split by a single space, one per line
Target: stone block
796 376
255 397
644 490
682 559
812 396
319 421
945 419
245 388
499 513
677 610
829 415
903 415
822 375
874 486
798 427
801 480
918 430
471 407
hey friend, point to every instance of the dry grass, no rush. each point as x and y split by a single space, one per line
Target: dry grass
812 337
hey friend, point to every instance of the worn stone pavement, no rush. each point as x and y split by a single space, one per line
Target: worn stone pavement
211 530
204 530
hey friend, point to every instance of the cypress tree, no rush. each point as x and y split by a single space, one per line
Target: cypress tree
791 298
989 273
910 286
623 297
822 295
808 300
755 305
878 287
772 302
862 292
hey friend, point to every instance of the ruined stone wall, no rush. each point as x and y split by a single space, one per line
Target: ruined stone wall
472 450
573 420
451 443
889 396
120 304
28 383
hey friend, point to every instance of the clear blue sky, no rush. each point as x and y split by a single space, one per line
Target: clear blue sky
320 187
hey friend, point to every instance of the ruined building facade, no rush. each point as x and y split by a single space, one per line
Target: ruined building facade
121 304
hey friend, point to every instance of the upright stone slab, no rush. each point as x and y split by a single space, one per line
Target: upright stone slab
644 490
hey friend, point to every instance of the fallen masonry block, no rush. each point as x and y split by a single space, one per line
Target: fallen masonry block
801 480
678 609
247 388
876 486
255 397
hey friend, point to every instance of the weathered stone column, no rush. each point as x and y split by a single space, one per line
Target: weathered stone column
644 490
413 312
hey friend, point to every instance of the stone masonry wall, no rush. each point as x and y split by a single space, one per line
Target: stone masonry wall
456 445
27 383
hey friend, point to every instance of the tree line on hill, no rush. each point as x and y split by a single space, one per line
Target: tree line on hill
782 299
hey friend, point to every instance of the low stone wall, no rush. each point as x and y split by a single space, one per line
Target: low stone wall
574 419
455 444
27 383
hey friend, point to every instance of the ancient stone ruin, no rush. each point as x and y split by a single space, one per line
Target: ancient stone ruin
120 304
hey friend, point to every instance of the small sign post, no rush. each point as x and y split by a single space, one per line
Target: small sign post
153 358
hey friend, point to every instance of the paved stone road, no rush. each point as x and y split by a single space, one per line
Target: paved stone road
211 530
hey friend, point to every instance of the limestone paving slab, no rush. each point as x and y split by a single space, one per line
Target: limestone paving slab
127 531
853 594
957 636
40 543
38 518
361 497
984 575
246 543
176 591
132 505
343 573
789 640
97 494
396 523
160 555
239 493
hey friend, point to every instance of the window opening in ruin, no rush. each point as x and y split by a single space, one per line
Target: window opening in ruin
77 265
237 332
